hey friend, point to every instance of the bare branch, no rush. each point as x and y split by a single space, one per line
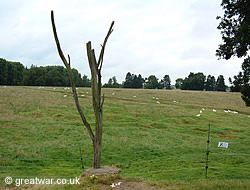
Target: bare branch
67 65
69 59
57 40
100 60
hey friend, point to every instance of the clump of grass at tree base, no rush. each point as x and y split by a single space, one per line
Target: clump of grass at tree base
41 133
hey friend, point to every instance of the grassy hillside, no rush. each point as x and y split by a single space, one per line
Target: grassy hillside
154 135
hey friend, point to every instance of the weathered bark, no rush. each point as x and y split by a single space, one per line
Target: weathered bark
96 105
97 99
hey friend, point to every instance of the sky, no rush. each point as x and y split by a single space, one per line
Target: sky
150 37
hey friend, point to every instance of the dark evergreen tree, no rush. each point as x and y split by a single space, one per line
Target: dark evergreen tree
141 81
210 84
133 81
128 81
220 83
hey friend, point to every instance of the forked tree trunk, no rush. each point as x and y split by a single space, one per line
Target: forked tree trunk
97 104
97 99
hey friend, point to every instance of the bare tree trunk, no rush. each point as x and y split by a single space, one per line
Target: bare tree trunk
96 85
97 105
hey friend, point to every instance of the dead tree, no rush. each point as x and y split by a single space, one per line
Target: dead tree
97 99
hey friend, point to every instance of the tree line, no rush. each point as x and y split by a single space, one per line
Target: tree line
14 73
134 81
194 81
198 81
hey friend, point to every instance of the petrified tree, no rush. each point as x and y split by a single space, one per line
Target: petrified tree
97 98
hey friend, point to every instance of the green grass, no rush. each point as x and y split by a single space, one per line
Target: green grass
41 135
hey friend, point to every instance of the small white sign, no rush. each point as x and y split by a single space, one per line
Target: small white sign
223 144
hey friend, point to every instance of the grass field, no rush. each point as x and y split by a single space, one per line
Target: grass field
41 135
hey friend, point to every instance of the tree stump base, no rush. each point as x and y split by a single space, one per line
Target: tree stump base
103 171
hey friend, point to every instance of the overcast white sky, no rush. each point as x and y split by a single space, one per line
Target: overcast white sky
150 36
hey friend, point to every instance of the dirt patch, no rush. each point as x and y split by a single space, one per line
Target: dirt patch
224 136
200 131
197 129
37 114
59 115
235 130
179 121
105 170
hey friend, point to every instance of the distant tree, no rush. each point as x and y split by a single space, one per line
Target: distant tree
137 82
19 73
55 78
151 82
115 84
3 71
85 81
11 73
166 82
109 84
210 84
133 81
128 81
112 83
160 84
194 81
237 83
140 81
77 78
35 76
220 83
178 83
235 30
